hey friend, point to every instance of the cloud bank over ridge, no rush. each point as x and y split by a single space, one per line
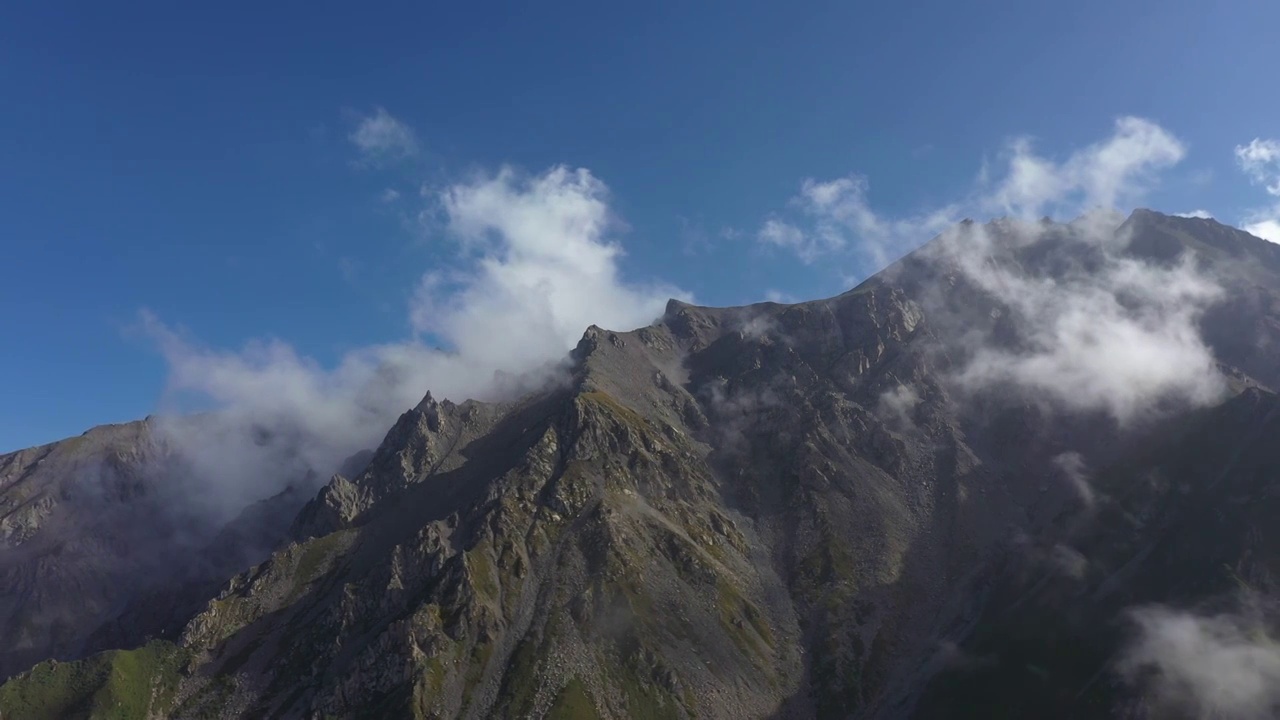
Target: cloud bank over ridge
830 218
536 259
1120 337
535 263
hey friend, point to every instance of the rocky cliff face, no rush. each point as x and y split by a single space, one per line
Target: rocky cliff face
830 509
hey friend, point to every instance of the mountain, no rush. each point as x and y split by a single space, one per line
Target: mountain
965 488
101 548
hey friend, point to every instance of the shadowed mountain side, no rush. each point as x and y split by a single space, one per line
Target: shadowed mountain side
1186 521
101 545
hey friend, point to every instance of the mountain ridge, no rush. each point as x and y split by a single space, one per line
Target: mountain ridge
766 511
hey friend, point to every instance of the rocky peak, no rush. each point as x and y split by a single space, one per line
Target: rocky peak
764 511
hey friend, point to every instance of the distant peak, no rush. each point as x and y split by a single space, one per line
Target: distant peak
428 403
674 306
588 343
1146 215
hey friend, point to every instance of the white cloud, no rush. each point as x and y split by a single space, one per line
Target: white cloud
1221 666
389 195
834 216
1265 228
543 269
535 266
1201 214
1260 160
896 406
381 138
1116 170
837 215
280 415
1076 472
780 234
1121 337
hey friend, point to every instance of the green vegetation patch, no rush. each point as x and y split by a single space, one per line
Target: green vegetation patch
644 681
317 555
428 690
646 701
115 685
481 653
739 617
621 412
520 684
483 576
573 703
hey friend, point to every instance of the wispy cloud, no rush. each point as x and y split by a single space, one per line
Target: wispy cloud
694 238
1201 178
1202 214
808 247
1260 160
536 258
1221 666
349 268
1106 174
382 139
1265 225
534 264
1076 472
1120 336
834 217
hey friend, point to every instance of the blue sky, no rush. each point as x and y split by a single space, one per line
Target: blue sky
229 169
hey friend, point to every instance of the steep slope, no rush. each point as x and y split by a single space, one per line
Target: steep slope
65 541
571 552
98 551
773 511
1187 523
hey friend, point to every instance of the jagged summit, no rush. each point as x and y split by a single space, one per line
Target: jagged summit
822 509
